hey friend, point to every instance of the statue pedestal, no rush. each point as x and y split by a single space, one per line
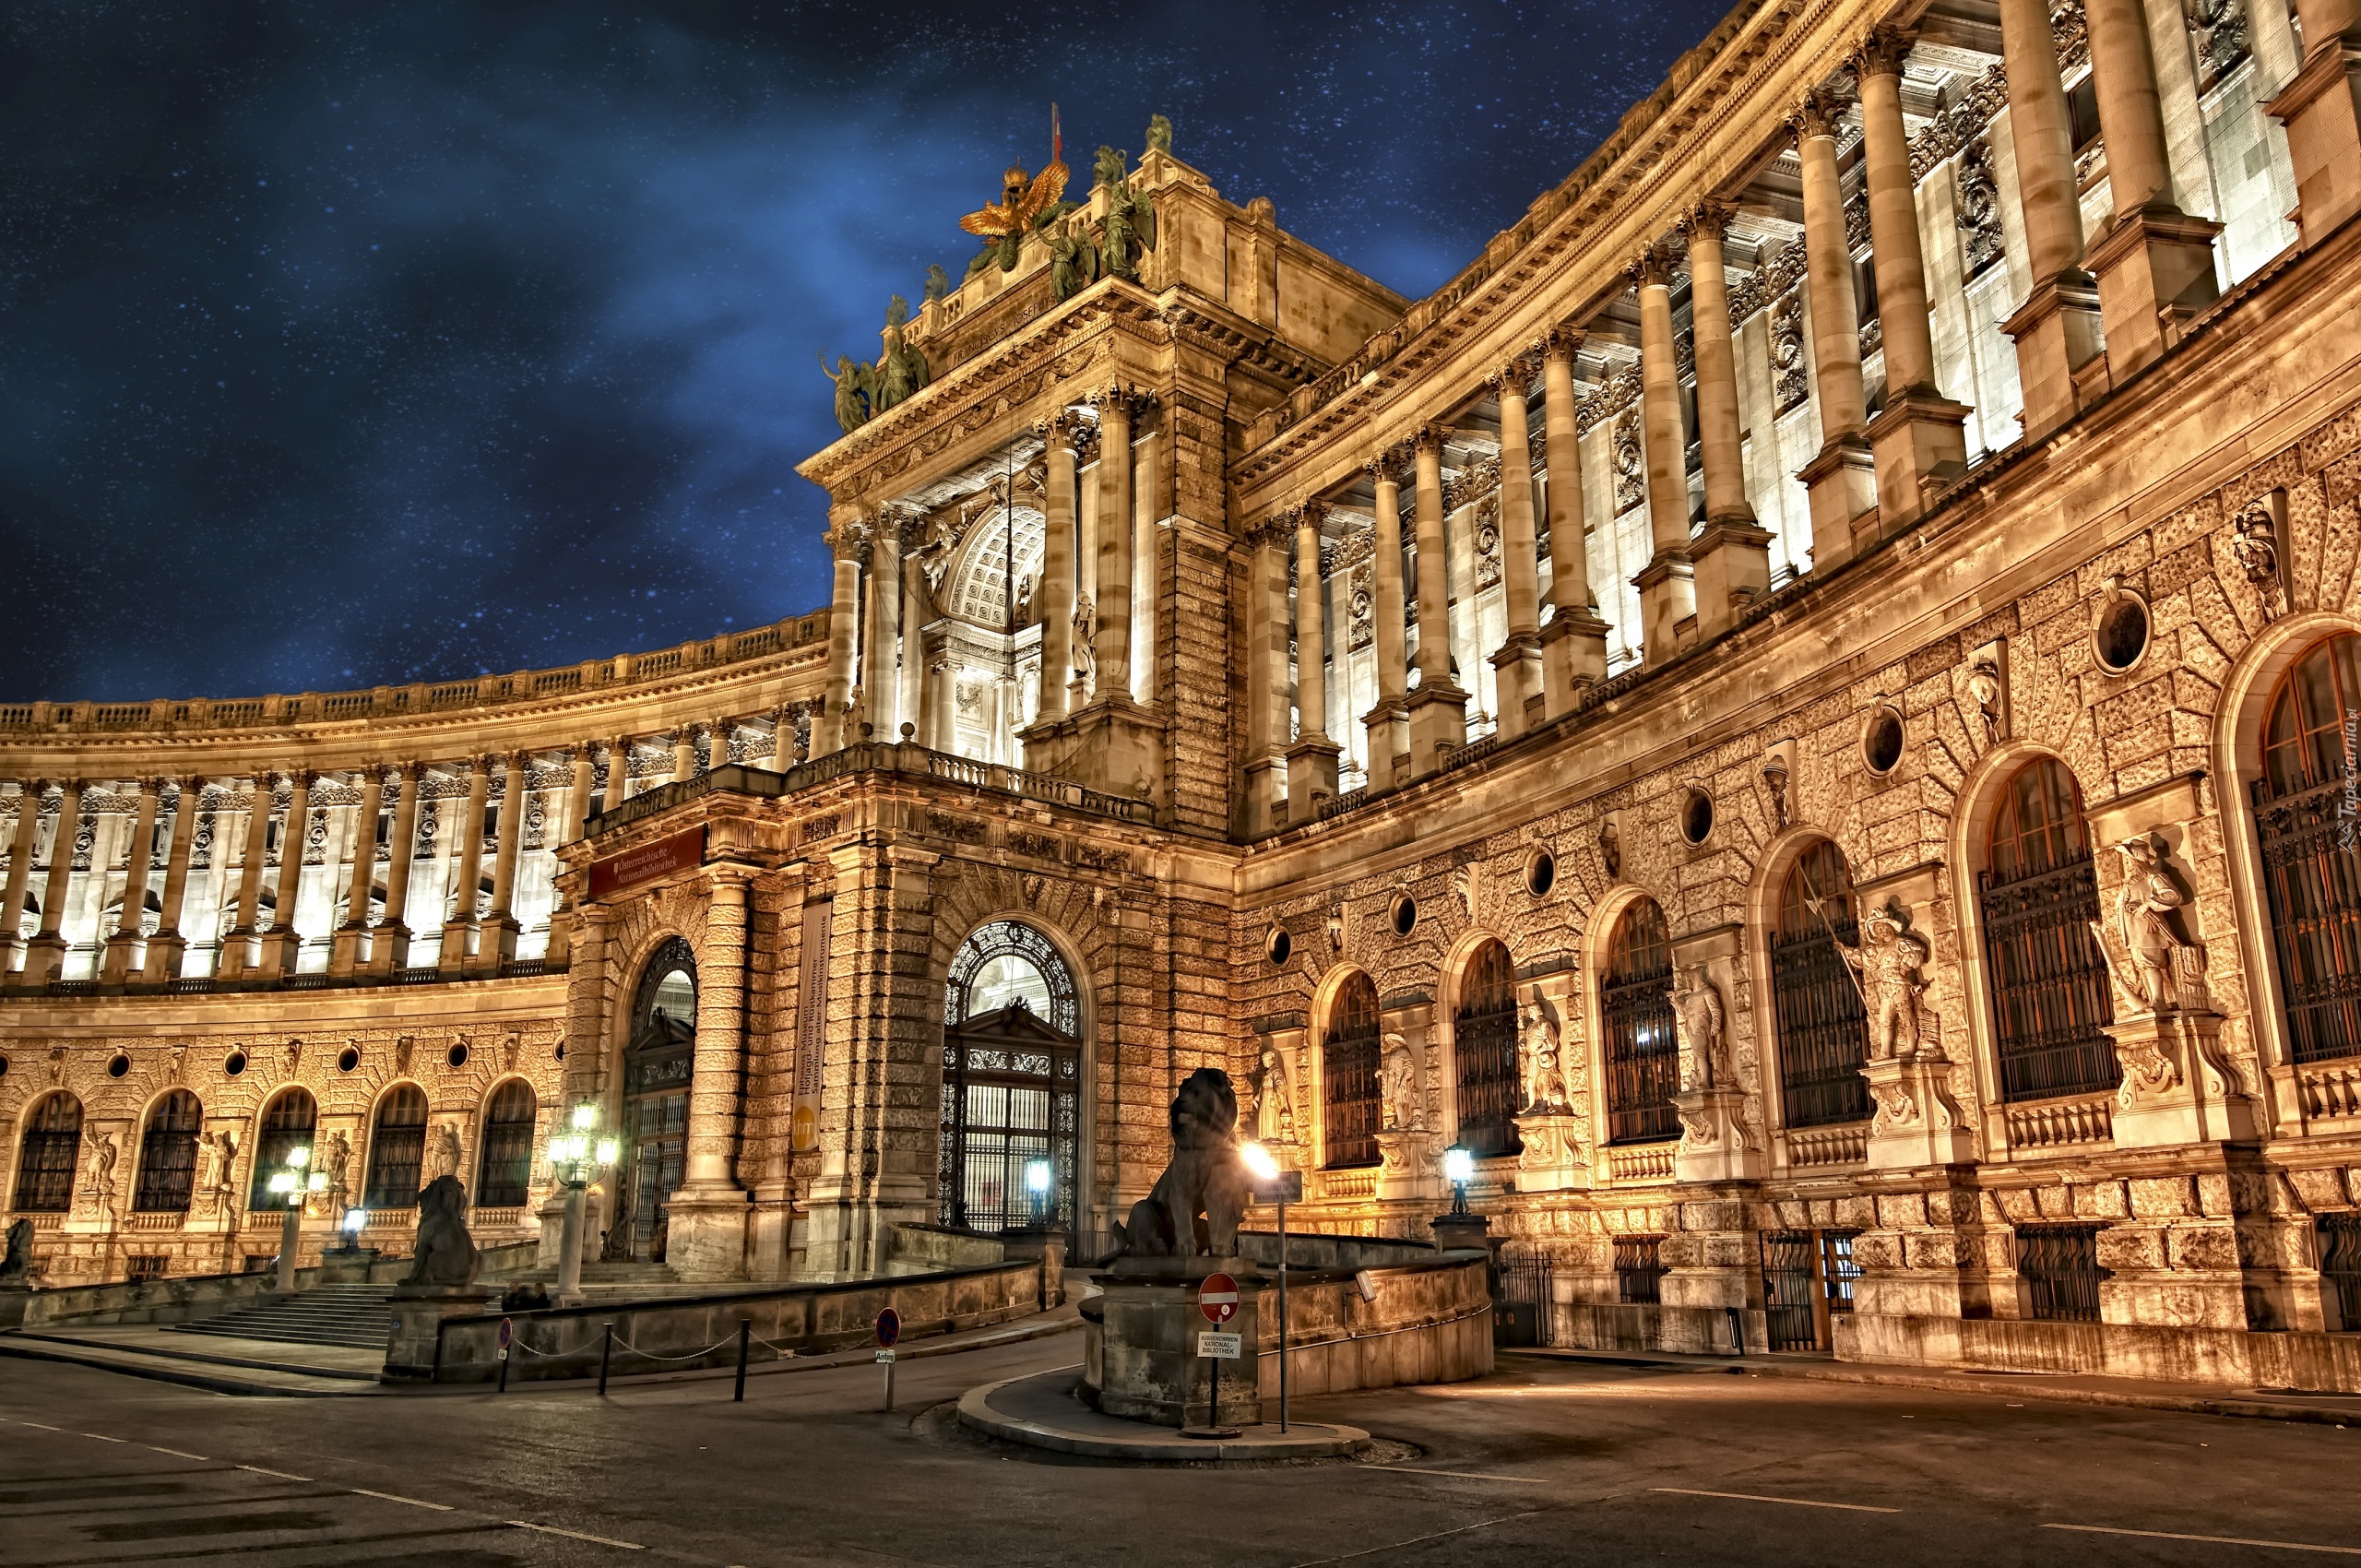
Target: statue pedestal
418 1313
345 1266
1145 1345
2177 1087
1716 1143
1918 1124
1408 1169
1463 1233
1553 1160
13 1300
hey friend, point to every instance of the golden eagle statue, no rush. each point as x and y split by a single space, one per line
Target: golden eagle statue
1025 201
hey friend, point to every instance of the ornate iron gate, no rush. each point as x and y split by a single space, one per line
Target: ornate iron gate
1522 1315
1790 1289
1816 1001
2050 986
1011 1092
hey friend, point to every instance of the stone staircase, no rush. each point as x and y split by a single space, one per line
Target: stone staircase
353 1315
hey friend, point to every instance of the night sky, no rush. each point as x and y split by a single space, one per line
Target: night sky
347 343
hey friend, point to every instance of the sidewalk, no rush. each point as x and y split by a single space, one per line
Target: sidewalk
2204 1399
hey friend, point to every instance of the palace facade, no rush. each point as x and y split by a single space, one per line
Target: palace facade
1801 709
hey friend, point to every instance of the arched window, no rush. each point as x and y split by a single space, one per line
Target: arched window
1349 1068
45 1159
2049 987
396 1149
504 1172
2311 869
287 1124
1641 1052
1817 1003
659 1060
1012 1084
1483 1049
167 1155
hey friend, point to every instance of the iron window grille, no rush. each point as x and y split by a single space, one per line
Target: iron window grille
397 1149
1348 1069
504 1173
2050 1000
286 1126
2341 1266
147 1266
45 1159
2059 1265
1816 1001
1837 1269
168 1155
1788 1287
1638 1270
1483 1043
2311 862
1642 1053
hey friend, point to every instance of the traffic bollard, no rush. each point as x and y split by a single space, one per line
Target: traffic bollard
745 1327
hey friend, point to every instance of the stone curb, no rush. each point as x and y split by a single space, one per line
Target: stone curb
1335 1442
187 1376
2029 1387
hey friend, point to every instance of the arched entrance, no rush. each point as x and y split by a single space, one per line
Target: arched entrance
658 1060
1012 1084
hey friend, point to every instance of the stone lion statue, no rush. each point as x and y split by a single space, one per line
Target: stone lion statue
16 1267
1195 1205
447 1253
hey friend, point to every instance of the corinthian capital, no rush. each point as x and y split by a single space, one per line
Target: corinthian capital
1710 216
1884 53
1655 267
1516 375
1818 114
1559 343
1428 438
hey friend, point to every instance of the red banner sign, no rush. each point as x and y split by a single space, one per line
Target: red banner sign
682 851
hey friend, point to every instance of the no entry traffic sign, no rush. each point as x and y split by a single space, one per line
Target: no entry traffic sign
1217 1298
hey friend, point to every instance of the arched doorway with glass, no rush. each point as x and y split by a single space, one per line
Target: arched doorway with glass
660 1055
1012 1085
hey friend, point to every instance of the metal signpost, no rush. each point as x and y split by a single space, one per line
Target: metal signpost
507 1333
1217 1298
889 1329
1283 1189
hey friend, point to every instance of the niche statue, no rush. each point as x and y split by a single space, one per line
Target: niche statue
1194 1207
447 1253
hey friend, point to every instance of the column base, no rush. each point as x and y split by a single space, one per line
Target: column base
167 950
281 949
1266 795
44 960
495 944
1668 588
2321 106
1573 657
388 947
1438 725
453 958
1311 777
561 941
1517 664
1388 726
1732 561
1917 1123
1716 1144
120 962
2155 270
1919 444
2056 333
2177 1088
1113 745
1840 485
345 946
706 1241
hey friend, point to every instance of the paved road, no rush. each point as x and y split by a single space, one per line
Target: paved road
1544 1463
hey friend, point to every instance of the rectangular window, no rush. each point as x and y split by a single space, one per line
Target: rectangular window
1638 1270
2059 1265
2082 107
148 1266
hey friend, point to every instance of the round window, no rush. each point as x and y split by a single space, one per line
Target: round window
1882 742
458 1055
118 1065
1541 873
235 1064
1405 915
2122 634
1279 945
4 1066
1696 817
348 1059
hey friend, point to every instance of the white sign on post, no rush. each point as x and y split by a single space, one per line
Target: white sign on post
1221 1347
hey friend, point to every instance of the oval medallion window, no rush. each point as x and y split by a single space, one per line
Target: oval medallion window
1405 915
2122 634
1881 742
1541 873
1280 945
1696 817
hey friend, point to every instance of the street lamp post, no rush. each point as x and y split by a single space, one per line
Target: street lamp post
1458 1169
572 1155
1037 1187
294 1184
1277 1185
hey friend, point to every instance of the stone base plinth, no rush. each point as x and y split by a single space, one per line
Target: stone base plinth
706 1239
1716 1144
1407 1173
2177 1087
1147 1362
418 1314
13 1299
347 1266
1553 1158
1917 1123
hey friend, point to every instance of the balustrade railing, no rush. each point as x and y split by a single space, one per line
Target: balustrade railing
2330 1092
1639 1162
1812 1146
2077 1122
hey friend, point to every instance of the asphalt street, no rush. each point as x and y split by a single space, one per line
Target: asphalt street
1543 1463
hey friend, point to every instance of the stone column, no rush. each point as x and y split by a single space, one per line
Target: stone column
234 954
1919 437
1266 676
2154 262
1388 723
123 946
881 680
1517 662
2321 106
1438 708
46 961
709 1212
1146 592
21 866
1312 760
1732 557
282 945
942 724
618 774
1574 642
344 950
1667 584
166 949
1840 483
389 942
1057 569
577 800
2057 330
685 752
468 870
847 537
497 944
1112 644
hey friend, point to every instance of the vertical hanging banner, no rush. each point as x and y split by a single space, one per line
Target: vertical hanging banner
812 1024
